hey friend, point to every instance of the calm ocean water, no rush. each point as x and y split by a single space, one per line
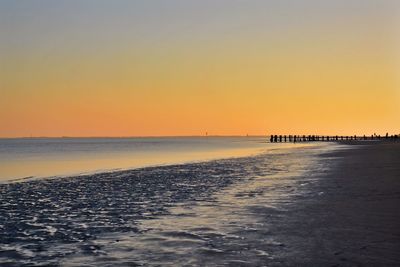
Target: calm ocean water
45 157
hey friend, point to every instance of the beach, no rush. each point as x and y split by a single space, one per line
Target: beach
325 204
355 221
199 133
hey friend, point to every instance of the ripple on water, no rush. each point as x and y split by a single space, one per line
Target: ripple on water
181 214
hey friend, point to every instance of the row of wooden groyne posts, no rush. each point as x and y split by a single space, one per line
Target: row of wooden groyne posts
327 138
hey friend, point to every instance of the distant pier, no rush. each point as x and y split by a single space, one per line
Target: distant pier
330 138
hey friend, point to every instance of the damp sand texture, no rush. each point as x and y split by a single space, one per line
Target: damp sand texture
319 205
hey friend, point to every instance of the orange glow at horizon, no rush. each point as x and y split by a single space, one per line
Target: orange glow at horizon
339 77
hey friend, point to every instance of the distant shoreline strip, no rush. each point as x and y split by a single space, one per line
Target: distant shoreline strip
329 138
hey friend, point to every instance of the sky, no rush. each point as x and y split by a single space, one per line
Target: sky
186 67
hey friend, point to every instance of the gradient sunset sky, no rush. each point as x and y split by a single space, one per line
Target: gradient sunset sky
226 67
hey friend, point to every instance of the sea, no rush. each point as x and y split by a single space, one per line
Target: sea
170 201
26 158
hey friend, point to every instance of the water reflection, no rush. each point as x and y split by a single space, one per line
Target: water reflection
21 158
224 228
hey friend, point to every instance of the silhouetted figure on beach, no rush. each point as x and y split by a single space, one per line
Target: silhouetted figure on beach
284 138
276 138
327 138
271 139
294 138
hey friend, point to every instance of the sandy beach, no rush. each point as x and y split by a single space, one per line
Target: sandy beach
355 221
320 205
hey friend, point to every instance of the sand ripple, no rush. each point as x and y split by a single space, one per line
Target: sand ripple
180 214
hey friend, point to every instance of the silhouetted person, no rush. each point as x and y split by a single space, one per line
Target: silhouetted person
276 138
387 135
271 139
294 138
284 138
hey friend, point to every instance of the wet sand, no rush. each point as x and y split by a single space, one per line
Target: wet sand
355 220
319 205
200 214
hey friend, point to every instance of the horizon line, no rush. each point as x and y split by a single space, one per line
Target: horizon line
176 136
133 136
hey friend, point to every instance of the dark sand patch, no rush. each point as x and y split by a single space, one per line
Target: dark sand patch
355 220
